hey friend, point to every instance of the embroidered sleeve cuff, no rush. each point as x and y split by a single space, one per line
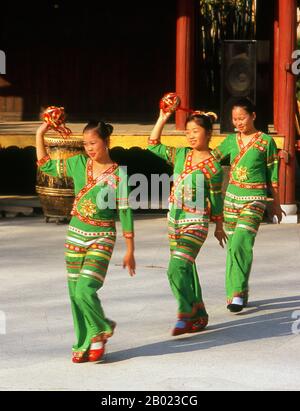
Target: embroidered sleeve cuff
217 154
43 161
216 218
153 142
128 235
122 203
274 185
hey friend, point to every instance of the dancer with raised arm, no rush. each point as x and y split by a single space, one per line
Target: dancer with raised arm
91 235
196 172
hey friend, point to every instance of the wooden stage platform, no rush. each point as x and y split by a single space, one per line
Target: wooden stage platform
22 135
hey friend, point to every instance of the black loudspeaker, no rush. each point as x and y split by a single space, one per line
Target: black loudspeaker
245 72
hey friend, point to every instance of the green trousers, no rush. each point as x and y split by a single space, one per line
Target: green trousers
242 221
87 261
185 245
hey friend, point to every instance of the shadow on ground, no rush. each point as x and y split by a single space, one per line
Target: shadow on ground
242 329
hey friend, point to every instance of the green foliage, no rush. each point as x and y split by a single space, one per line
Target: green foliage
220 20
228 19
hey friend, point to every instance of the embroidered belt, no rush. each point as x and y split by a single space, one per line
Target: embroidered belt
96 223
180 206
253 186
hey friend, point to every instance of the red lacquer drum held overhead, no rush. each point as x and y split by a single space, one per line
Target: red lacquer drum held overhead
55 118
170 103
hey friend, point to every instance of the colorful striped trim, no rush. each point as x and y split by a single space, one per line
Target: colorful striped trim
91 183
217 153
91 234
243 150
246 198
77 241
273 159
153 142
183 256
95 223
88 274
43 161
61 168
171 153
75 255
75 248
178 204
196 308
189 169
73 276
275 162
188 221
246 227
99 254
128 235
249 186
217 218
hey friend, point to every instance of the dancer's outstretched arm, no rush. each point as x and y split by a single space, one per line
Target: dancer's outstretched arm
158 128
40 145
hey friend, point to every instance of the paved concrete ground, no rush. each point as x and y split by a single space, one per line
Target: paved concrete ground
255 350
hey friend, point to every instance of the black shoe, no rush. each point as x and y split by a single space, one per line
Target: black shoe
235 308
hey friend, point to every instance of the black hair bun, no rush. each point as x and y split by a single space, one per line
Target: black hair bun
103 129
109 129
209 114
213 116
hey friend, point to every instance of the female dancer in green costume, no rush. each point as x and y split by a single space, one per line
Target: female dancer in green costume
195 171
254 171
91 234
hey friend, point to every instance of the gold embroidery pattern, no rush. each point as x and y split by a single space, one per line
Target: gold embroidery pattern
242 174
88 208
187 193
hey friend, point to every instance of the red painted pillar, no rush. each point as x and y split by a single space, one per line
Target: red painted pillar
184 56
287 98
276 64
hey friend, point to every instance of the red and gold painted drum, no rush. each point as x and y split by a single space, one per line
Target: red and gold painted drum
57 194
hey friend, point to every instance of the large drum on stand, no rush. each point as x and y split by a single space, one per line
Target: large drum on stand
57 194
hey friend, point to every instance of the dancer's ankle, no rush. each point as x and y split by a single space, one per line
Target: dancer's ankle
238 301
96 345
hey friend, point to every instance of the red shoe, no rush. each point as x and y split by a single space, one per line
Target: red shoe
80 357
199 325
97 354
182 327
